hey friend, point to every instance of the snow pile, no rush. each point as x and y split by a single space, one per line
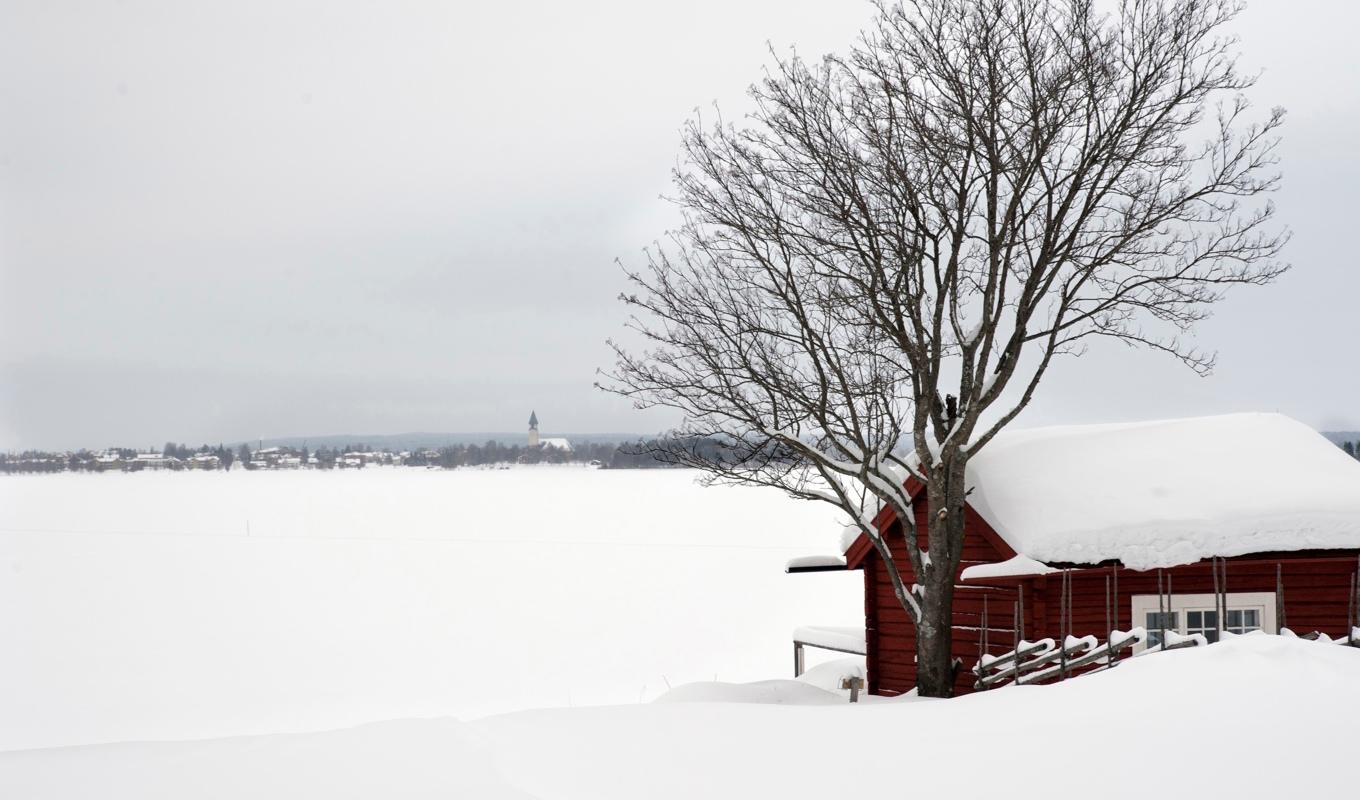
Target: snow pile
775 692
1011 567
1157 494
832 675
1285 703
820 685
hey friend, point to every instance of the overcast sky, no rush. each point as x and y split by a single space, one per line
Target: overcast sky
230 220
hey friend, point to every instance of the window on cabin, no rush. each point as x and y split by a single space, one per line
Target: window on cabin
1198 613
1158 621
1202 622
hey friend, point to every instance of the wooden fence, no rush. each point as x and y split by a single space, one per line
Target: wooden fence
1043 661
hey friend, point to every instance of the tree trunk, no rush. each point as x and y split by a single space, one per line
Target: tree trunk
934 646
934 634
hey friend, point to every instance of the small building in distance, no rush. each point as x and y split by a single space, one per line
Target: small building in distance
537 442
203 461
106 460
155 461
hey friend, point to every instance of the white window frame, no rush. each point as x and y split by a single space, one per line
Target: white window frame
1262 602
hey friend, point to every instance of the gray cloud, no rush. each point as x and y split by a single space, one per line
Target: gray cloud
219 221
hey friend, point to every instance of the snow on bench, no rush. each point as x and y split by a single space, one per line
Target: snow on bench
828 637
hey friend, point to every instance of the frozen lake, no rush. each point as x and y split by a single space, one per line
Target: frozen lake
189 605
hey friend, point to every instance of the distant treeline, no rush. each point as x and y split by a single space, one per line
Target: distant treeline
1352 449
176 456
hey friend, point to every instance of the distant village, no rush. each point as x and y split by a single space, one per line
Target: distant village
174 456
638 454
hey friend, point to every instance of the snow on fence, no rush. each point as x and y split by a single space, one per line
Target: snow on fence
1036 662
1042 660
1350 640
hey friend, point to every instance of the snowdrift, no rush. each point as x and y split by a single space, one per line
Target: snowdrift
1254 717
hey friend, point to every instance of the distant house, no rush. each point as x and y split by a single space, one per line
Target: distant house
155 461
1121 509
203 461
279 458
358 459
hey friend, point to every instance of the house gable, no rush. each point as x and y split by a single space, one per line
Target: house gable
989 546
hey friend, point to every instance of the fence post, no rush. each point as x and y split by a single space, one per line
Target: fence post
1109 629
797 659
1161 613
1350 611
1224 586
1280 621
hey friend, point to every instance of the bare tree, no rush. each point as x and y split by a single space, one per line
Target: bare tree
878 264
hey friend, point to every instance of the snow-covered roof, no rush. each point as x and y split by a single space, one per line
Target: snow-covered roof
558 442
1014 567
1157 494
815 562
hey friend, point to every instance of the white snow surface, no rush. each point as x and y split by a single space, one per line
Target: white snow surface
849 535
188 605
820 685
1272 695
1158 494
773 692
1011 567
815 561
838 636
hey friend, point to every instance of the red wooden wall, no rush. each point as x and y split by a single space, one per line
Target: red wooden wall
1316 586
890 635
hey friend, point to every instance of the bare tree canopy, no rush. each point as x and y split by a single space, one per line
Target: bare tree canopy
878 265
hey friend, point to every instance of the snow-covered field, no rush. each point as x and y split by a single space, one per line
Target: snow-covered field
1254 717
364 634
154 606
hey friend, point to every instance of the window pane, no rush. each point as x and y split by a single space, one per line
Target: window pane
1156 621
1205 623
1234 618
1251 619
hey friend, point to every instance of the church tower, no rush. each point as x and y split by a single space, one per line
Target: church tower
533 429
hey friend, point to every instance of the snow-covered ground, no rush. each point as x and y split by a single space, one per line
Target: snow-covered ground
1254 717
168 606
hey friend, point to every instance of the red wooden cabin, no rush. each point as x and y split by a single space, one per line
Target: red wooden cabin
1276 501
